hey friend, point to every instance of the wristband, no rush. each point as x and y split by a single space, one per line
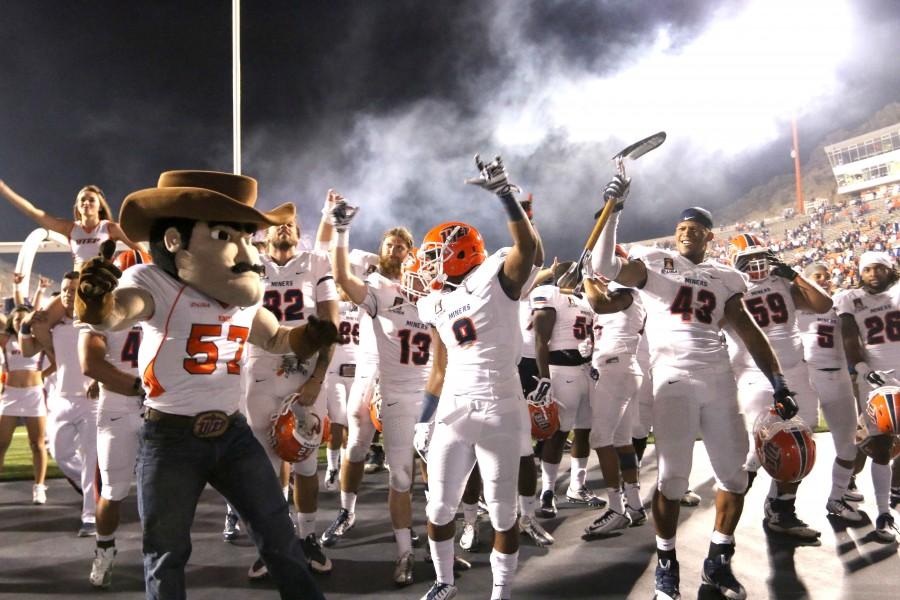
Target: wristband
514 210
429 406
777 381
343 239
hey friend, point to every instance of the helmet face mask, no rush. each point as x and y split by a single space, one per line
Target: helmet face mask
414 282
296 432
750 256
450 250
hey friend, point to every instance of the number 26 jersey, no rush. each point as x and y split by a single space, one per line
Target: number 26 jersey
685 305
878 318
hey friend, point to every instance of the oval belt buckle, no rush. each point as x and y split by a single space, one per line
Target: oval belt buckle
210 424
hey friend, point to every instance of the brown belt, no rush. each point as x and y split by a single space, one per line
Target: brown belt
209 424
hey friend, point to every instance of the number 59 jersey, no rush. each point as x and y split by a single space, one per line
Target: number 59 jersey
192 349
574 317
878 318
770 304
403 340
685 305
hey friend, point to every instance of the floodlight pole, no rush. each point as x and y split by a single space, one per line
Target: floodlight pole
795 153
236 83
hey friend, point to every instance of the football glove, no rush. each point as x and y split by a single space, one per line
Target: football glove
617 189
422 438
341 215
874 378
540 396
493 177
780 268
783 398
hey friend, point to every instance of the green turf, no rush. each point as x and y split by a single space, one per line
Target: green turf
17 464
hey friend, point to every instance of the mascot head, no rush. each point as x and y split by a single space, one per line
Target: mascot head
199 225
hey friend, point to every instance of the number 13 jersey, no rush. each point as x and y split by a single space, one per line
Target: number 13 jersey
192 349
685 305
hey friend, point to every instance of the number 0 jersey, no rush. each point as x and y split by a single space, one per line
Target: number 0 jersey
685 304
192 349
574 317
878 318
402 339
293 289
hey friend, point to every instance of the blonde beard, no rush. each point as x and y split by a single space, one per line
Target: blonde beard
388 268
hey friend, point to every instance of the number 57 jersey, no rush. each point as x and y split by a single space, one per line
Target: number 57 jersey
192 349
685 305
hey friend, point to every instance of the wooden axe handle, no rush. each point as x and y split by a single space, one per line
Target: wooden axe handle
600 224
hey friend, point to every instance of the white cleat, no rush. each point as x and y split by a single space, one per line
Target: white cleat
39 494
530 527
101 569
468 541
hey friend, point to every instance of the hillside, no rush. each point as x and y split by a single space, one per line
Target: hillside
818 182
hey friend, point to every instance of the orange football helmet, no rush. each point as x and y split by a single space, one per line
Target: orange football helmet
749 255
450 250
785 448
129 258
413 283
375 408
866 431
883 410
296 432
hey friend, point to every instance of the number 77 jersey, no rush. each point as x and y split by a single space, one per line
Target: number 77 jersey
685 305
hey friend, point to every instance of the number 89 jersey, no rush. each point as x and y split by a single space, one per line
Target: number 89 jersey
878 318
685 305
293 289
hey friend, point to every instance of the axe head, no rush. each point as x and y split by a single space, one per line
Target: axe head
642 147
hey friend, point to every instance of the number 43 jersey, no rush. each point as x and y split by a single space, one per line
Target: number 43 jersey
685 306
878 318
192 350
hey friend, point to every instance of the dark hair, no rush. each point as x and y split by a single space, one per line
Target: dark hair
71 275
105 213
161 256
9 321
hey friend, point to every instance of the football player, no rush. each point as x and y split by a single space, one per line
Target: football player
687 298
404 351
823 351
110 358
474 310
297 284
618 327
775 294
562 329
870 326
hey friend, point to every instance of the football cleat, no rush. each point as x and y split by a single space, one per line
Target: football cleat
87 529
39 494
101 569
584 495
258 570
895 496
690 498
885 529
232 530
638 516
342 524
375 460
403 570
853 494
839 508
781 517
468 541
607 523
441 591
717 573
530 527
667 580
547 509
331 482
315 557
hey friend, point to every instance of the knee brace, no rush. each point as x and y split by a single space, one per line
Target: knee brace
628 461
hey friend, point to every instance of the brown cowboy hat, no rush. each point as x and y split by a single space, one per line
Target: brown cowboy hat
199 195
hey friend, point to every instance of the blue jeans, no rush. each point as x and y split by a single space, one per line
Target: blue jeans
173 467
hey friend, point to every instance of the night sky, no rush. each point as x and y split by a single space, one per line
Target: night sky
387 101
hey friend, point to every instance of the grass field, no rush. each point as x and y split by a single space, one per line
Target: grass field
17 464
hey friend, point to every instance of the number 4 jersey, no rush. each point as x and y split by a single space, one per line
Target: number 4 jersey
878 319
192 349
685 305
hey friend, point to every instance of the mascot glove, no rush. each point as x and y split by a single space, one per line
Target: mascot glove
94 299
306 340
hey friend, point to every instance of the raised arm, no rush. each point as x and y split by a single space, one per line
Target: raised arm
603 301
341 215
630 273
518 263
325 232
61 226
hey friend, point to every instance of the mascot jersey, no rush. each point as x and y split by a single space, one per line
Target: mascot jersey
193 347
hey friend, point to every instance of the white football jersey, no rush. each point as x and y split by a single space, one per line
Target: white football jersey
348 330
192 350
526 328
122 352
367 353
477 322
771 305
823 346
878 318
294 289
574 317
618 333
685 305
85 244
70 381
403 340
